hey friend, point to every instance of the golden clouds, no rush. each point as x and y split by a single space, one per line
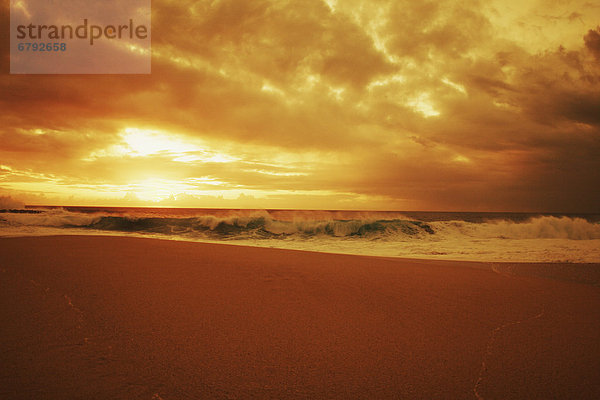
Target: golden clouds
328 104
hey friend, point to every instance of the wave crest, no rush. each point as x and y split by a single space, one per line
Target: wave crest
279 224
261 226
543 227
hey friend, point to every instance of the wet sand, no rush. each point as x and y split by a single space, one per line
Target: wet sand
126 318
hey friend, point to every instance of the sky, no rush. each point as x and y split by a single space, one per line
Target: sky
322 104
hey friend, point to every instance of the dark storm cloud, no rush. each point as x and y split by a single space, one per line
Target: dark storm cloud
592 42
437 105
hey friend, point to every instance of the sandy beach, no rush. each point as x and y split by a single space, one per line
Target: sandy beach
86 317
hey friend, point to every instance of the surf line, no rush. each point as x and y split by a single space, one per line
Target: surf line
490 344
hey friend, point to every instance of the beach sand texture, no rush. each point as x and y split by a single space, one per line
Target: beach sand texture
127 318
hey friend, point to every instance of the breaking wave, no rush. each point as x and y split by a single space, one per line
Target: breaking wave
544 227
257 225
303 225
454 236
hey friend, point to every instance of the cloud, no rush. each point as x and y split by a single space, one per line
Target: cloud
592 42
422 105
8 203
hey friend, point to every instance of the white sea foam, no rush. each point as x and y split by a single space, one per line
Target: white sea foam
542 238
543 227
58 218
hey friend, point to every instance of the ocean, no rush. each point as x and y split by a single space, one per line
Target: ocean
475 236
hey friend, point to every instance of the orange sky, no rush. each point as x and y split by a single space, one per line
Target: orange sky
323 104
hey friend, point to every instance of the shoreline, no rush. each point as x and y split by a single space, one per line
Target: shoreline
122 317
577 272
240 242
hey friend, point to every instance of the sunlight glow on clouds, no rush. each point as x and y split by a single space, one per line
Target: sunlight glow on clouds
422 104
145 142
372 104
